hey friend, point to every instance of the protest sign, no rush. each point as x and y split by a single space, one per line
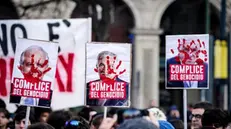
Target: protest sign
108 74
187 64
71 36
33 73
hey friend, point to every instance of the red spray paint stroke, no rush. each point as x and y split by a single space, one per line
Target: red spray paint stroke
3 91
65 86
11 66
190 49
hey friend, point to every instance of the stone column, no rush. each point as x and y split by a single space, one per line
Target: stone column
146 68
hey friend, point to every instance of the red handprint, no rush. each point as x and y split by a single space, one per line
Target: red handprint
189 53
37 70
111 72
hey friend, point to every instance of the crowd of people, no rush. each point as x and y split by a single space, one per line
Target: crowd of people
202 115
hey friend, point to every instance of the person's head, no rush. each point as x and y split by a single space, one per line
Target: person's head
34 62
42 114
40 125
87 113
57 119
76 122
20 120
215 119
177 124
2 104
158 113
197 112
4 117
20 109
96 120
137 123
105 64
174 112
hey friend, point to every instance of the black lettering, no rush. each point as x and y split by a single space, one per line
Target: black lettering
3 40
67 23
53 36
12 34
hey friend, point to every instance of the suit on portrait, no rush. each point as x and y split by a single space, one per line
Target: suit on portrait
175 84
109 102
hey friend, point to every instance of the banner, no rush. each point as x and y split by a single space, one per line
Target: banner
33 73
187 58
71 36
108 74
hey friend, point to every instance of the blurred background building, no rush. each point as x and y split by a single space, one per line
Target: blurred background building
144 23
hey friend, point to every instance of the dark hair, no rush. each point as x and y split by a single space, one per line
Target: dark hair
57 119
82 123
39 111
85 113
178 124
229 116
40 125
203 105
137 123
22 115
97 119
2 104
216 117
20 109
5 112
112 111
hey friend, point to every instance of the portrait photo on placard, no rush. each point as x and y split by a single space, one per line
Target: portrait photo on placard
108 74
187 62
33 73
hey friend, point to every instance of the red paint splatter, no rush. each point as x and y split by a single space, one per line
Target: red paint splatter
121 72
198 40
205 59
203 44
199 61
184 41
96 70
45 63
118 64
172 51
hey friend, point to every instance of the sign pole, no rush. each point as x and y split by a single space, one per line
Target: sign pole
27 116
185 108
105 113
